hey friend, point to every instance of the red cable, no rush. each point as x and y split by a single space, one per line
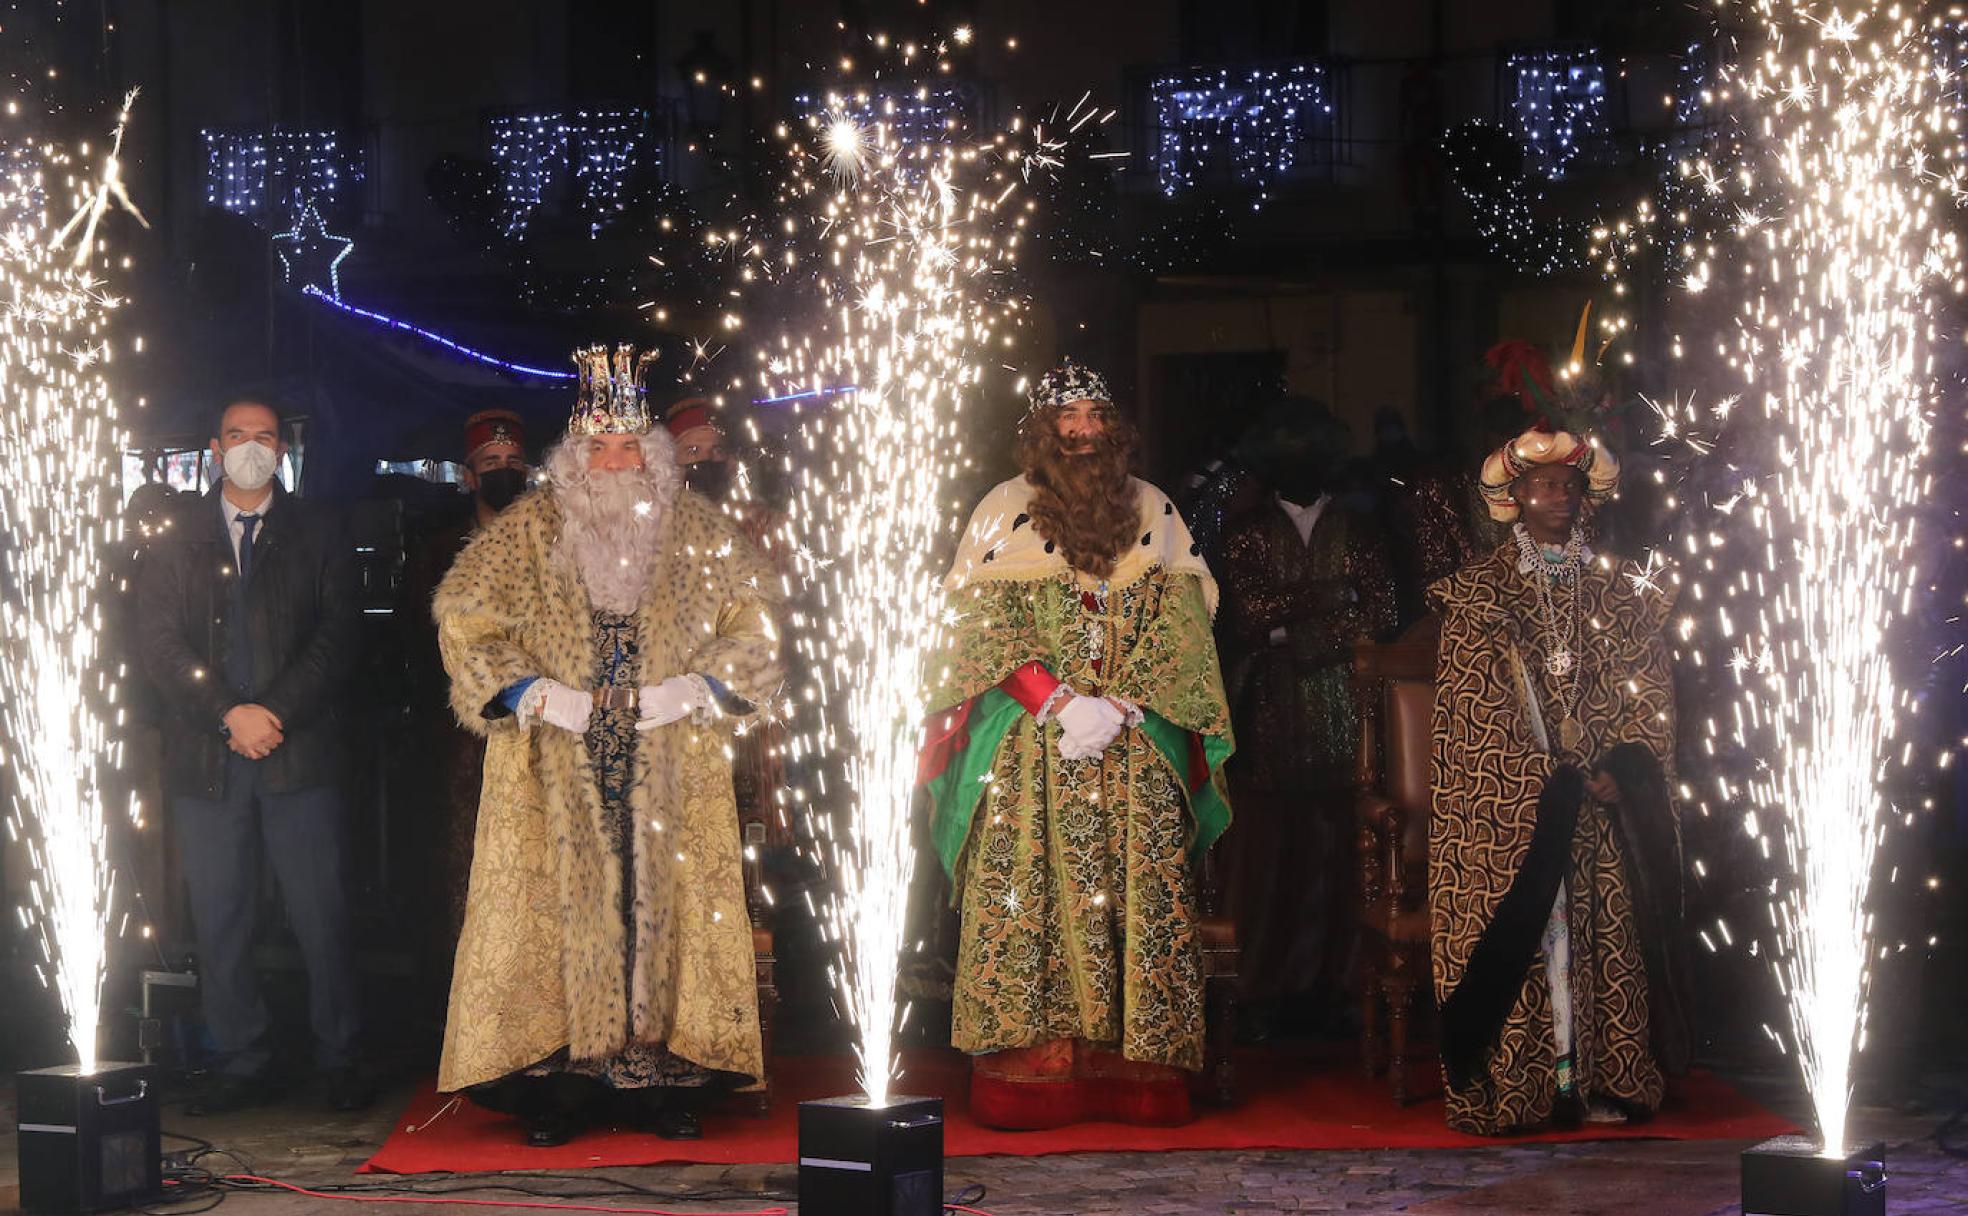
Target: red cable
958 1207
487 1203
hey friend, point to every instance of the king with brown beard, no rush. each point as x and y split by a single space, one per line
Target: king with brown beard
1074 760
602 633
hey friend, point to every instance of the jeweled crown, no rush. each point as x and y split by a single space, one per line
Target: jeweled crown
613 400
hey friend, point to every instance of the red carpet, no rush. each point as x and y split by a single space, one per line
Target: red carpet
1288 1102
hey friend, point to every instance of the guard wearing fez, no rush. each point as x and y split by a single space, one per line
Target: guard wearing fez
602 633
710 467
447 762
701 450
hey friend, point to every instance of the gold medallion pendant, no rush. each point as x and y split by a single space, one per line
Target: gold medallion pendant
1571 733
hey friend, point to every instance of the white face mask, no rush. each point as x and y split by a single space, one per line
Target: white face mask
250 465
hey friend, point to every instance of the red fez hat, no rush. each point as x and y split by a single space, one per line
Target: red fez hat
690 412
493 426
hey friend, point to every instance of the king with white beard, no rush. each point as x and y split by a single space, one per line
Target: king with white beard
605 633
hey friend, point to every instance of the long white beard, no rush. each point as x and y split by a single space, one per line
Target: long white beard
612 530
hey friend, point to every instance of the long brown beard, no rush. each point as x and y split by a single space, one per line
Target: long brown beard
1084 504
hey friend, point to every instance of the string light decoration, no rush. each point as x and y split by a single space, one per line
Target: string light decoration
59 519
1673 225
1487 165
310 255
1254 125
1084 219
811 394
930 112
509 365
1695 100
417 331
536 154
1084 223
254 173
1556 104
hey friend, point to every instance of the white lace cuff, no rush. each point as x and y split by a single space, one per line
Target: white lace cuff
703 702
532 703
1053 701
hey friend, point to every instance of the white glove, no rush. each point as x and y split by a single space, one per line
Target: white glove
675 698
555 703
1087 725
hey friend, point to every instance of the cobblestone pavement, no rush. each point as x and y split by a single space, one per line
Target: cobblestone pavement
1654 1178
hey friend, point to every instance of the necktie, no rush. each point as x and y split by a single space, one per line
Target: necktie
248 520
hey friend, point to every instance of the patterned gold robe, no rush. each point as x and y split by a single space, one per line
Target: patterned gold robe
1075 878
1488 774
541 961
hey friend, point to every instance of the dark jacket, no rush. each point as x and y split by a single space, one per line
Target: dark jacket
300 606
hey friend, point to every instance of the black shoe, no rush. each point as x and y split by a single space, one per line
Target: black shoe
228 1092
550 1131
346 1089
678 1123
1567 1111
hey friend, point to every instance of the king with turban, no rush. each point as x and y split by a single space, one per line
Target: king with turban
1554 851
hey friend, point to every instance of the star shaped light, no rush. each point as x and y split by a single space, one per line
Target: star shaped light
310 255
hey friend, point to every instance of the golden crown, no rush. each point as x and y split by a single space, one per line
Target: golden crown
613 399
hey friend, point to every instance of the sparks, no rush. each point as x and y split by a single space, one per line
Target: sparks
844 150
108 189
913 252
58 439
1646 579
1835 337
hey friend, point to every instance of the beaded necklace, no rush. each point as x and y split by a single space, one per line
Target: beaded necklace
1560 629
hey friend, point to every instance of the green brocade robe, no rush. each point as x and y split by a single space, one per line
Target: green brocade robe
1075 878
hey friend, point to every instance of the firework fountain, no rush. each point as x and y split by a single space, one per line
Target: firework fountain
89 1135
58 439
905 229
908 239
1841 245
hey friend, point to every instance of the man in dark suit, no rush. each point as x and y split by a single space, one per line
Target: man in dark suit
247 630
